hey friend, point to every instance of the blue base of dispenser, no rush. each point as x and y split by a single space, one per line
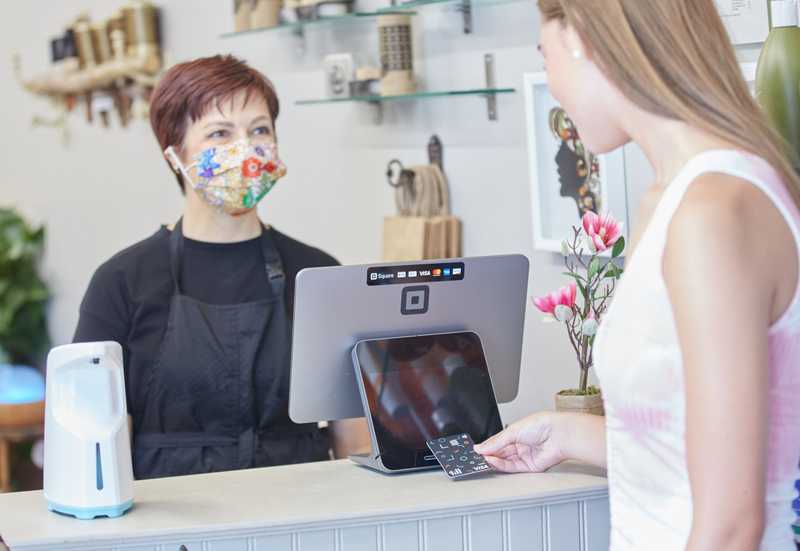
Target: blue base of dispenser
88 513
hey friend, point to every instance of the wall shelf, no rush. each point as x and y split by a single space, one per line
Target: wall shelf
483 92
490 92
413 4
463 6
299 26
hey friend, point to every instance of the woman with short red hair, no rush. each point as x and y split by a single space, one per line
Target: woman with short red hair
203 308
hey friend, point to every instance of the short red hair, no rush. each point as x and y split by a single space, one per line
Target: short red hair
188 90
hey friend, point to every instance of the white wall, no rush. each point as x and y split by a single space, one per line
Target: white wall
110 188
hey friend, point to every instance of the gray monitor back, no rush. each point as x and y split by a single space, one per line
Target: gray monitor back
335 307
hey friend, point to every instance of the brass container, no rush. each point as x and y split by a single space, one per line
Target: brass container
141 36
101 42
265 14
241 14
84 44
115 26
141 27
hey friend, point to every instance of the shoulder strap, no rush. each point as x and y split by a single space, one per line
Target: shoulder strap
176 254
273 263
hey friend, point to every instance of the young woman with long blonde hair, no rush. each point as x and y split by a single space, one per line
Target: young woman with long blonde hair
699 356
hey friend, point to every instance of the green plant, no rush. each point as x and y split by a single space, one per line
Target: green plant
23 294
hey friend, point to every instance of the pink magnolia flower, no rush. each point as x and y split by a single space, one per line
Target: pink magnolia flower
563 297
603 232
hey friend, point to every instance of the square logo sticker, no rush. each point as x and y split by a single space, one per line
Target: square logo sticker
415 300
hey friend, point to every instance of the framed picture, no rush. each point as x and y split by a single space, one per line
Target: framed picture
747 21
566 180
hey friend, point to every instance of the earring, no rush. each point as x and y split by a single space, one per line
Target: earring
577 54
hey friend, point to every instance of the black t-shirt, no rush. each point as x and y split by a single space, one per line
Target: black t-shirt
129 296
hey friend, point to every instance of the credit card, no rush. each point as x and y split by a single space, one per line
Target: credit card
457 456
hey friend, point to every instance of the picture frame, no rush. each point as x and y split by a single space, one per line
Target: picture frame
747 21
627 170
555 207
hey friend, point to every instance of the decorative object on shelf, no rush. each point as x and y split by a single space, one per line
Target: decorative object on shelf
366 83
313 10
114 63
241 15
339 73
265 14
565 177
423 228
397 54
581 305
747 21
778 74
334 8
306 10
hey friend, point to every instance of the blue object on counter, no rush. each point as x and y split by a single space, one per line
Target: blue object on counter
89 513
20 384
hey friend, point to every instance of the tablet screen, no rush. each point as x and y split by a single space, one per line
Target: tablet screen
424 387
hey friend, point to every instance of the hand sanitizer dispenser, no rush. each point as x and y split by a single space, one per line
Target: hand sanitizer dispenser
87 453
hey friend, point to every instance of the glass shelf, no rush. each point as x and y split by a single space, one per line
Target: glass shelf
401 8
408 97
413 4
300 25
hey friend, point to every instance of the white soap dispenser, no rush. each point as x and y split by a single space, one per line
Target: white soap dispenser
88 471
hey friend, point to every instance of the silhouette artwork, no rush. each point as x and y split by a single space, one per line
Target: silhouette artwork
578 169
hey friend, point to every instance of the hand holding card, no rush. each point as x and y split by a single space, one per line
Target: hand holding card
457 457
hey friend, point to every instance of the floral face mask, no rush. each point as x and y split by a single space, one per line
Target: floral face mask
235 176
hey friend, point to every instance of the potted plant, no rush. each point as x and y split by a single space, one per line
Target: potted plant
23 294
23 325
581 304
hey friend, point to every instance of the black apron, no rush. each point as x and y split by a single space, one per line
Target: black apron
216 397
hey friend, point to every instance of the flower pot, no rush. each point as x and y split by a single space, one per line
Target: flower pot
592 404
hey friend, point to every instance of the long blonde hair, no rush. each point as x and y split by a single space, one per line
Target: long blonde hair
673 58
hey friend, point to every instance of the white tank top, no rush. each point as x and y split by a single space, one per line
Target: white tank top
639 364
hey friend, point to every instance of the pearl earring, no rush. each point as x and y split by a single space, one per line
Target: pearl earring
577 54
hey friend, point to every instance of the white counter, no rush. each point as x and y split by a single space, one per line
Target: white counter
334 506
